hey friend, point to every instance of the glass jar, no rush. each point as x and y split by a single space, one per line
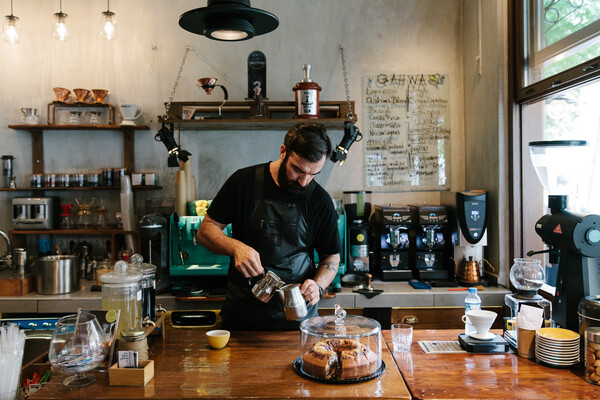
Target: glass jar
592 355
121 291
36 180
340 348
135 340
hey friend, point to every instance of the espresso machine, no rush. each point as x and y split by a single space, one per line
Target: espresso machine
433 244
392 242
573 239
194 270
468 222
357 205
154 232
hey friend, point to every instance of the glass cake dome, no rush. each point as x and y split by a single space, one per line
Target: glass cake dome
340 347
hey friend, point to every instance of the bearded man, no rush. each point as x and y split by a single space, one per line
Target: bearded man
279 217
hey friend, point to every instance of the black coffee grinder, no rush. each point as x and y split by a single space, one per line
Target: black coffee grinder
357 205
573 239
154 231
392 242
433 243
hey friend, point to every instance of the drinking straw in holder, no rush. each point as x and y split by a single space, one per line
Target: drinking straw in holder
12 344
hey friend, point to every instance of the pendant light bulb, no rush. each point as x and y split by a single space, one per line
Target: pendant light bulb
61 26
11 30
108 23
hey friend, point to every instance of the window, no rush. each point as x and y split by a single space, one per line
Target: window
560 34
557 94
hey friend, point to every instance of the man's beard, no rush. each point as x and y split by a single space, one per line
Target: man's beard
286 184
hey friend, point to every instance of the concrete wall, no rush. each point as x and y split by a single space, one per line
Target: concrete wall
141 65
486 129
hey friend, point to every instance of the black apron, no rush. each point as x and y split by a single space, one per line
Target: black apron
279 232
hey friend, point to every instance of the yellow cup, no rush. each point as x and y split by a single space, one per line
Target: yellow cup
217 339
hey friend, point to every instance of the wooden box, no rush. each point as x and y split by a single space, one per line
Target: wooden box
16 287
131 376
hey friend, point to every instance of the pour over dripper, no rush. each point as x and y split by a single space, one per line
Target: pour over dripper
208 84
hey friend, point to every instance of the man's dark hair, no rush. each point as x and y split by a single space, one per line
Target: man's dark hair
309 141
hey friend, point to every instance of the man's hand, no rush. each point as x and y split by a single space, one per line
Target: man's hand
247 260
310 291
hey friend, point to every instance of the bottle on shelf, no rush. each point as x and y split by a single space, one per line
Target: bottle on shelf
472 302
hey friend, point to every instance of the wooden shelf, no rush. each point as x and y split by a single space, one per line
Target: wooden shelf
237 115
108 231
116 235
51 127
84 188
37 140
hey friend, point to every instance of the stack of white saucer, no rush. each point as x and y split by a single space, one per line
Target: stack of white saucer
557 347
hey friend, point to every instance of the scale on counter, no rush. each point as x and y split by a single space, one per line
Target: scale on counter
495 345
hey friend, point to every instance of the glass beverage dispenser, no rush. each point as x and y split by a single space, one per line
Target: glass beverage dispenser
121 290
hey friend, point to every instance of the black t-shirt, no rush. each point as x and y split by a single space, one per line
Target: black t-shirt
233 204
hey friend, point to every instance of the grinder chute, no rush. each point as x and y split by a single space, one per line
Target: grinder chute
573 239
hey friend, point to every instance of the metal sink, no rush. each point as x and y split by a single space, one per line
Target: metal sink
37 342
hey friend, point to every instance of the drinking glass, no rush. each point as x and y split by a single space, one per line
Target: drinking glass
402 337
78 345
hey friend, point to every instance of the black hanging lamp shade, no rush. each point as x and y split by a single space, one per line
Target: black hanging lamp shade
228 20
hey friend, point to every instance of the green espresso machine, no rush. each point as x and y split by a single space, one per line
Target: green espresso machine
194 270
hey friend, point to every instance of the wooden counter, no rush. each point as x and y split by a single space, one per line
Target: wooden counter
253 365
484 376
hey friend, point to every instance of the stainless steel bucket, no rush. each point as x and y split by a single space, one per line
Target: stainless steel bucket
57 274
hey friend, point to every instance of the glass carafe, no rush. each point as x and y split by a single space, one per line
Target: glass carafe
527 276
85 211
121 291
102 221
66 219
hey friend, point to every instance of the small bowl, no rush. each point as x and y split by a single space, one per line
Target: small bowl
217 339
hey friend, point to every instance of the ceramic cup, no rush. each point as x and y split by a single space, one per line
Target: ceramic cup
217 339
481 320
130 112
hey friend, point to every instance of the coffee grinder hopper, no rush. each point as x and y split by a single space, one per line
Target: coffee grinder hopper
573 239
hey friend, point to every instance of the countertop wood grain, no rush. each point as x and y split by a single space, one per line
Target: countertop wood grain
484 376
254 365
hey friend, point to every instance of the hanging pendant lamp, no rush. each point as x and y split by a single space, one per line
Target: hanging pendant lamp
228 20
61 26
11 31
108 23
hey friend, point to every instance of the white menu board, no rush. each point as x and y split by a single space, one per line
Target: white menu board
407 131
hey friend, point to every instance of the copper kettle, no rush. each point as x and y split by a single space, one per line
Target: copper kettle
470 271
